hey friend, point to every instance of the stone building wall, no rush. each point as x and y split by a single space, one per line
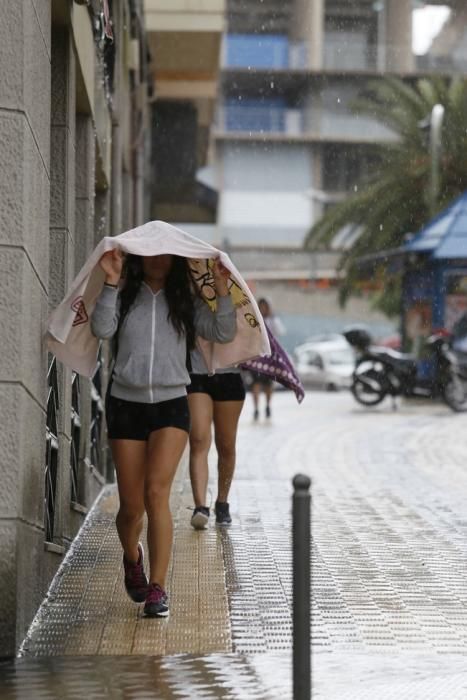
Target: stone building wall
57 178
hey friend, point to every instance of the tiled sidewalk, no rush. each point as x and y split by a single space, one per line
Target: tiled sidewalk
389 572
88 612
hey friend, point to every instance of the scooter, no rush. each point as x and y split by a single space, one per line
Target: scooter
381 372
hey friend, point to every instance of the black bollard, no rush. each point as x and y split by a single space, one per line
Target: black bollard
301 588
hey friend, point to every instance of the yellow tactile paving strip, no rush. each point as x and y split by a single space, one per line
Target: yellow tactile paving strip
88 612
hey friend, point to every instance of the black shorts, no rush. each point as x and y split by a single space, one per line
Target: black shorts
220 387
130 420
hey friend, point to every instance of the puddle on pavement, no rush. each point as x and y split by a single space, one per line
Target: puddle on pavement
143 678
341 676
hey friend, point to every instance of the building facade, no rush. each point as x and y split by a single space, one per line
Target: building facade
288 144
185 39
448 52
73 144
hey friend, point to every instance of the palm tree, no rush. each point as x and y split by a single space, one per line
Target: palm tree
395 199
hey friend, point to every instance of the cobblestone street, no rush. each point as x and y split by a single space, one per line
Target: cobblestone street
389 570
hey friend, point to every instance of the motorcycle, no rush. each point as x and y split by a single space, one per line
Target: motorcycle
381 372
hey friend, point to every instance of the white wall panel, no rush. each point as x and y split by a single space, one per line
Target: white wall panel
277 209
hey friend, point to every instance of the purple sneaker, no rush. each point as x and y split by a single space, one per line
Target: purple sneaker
156 604
136 583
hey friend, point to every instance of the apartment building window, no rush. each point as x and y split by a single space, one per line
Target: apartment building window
97 416
345 167
175 141
51 449
350 42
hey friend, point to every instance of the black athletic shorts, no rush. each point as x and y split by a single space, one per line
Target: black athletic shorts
130 420
220 387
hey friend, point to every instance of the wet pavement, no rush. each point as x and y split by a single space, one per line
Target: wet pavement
389 571
87 610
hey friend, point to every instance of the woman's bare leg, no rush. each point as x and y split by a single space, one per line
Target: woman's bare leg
201 412
226 416
164 451
268 390
129 458
255 392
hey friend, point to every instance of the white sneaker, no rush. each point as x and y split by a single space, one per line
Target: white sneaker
200 518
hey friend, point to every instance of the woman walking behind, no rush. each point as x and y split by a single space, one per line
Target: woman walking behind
153 320
260 381
213 399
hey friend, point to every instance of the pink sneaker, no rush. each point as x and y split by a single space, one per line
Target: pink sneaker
156 604
136 583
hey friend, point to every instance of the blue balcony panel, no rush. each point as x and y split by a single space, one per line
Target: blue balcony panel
257 51
255 115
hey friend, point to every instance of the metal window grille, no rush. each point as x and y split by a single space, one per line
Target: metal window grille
97 415
75 437
51 450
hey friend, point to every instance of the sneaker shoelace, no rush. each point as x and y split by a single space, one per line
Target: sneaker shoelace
156 594
134 573
136 576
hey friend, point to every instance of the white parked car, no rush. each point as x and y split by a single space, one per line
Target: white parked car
326 365
324 338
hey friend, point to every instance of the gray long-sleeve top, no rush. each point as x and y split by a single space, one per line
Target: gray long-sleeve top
151 362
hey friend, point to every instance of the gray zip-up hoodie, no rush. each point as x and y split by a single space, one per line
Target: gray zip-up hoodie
151 358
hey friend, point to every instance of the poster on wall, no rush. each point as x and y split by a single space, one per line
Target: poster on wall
455 308
417 325
455 303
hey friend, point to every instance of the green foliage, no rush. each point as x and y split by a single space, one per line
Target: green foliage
395 200
389 298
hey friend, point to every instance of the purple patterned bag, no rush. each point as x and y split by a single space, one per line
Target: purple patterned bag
277 366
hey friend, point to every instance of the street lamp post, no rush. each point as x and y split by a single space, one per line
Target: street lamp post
436 123
432 125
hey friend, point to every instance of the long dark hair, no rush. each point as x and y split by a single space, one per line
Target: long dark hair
179 292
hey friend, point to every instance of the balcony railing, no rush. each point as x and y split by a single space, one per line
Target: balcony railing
263 51
339 55
277 52
248 118
347 126
442 64
258 50
291 122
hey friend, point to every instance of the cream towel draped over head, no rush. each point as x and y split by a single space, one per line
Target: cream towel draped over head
69 335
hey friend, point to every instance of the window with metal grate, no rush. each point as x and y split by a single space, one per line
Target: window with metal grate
51 451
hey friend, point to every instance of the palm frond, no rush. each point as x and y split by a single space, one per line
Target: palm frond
394 201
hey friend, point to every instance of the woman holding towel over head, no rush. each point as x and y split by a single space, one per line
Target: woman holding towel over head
153 317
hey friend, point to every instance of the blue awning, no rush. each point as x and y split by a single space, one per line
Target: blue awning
445 237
